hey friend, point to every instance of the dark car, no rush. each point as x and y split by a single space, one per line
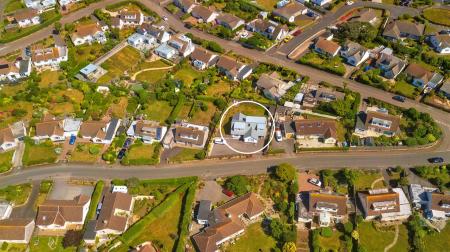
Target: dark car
399 98
121 153
436 160
72 139
127 143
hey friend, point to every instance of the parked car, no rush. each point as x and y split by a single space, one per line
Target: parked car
436 160
228 192
127 143
349 3
121 153
165 18
72 139
219 140
297 32
399 98
278 136
315 181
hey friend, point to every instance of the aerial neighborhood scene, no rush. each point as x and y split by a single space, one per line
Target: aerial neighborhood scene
225 125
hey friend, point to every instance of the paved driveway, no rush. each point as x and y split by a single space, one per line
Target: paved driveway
211 191
64 191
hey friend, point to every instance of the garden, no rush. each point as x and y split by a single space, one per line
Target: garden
330 64
142 154
254 239
86 153
41 153
438 175
120 64
376 239
6 161
16 194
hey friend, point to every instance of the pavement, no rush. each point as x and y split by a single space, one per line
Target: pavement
27 210
18 154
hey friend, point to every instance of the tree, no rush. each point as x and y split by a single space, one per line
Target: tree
326 232
238 184
58 26
289 247
72 238
276 228
357 31
285 172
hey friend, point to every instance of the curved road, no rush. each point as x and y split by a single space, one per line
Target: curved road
211 169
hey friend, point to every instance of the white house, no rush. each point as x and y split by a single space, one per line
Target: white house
48 57
27 17
148 131
142 42
165 51
88 33
321 2
67 2
161 35
354 53
7 140
71 126
127 18
248 128
14 71
40 5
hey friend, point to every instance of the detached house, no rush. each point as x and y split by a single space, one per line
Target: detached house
319 2
15 70
354 53
384 204
185 5
147 131
366 15
49 57
327 47
203 59
389 64
88 33
50 128
204 14
16 230
100 131
376 122
40 5
320 130
437 206
142 42
190 135
27 17
290 11
401 29
233 69
10 136
182 44
441 43
248 128
268 28
229 21
445 89
159 33
327 207
272 87
422 78
127 18
62 214
228 221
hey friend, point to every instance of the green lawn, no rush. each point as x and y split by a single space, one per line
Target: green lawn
332 243
333 65
120 62
16 194
158 110
220 88
203 117
402 244
267 4
42 153
86 153
48 243
254 239
438 242
152 76
438 15
13 5
185 155
11 247
6 161
187 74
142 154
152 64
372 239
49 78
365 179
405 89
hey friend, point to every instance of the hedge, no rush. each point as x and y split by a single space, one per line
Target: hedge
176 110
17 35
186 216
95 199
168 181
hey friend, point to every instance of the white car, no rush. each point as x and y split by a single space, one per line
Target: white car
165 18
349 3
278 136
244 34
315 181
218 140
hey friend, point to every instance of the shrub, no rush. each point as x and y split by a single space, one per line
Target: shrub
285 172
238 184
326 232
94 149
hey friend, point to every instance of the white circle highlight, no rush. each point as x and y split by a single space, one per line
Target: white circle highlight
271 134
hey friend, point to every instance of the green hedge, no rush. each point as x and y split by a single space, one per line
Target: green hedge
176 110
95 199
188 200
8 37
169 181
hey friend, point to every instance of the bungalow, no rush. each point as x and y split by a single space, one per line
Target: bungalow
190 135
72 126
147 131
327 47
202 59
204 14
10 136
92 72
229 21
182 44
437 206
384 204
64 3
50 128
100 131
324 94
320 130
27 17
88 33
13 71
290 11
272 87
268 28
441 43
127 18
389 64
165 51
159 33
248 128
445 89
376 122
423 78
401 29
62 214
185 5
228 221
233 69
142 42
49 57
366 15
16 230
354 53
325 206
320 2
40 5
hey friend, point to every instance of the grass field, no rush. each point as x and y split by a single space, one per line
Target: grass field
141 151
16 194
11 247
185 155
254 239
372 239
152 64
405 89
219 89
120 62
13 5
152 76
187 74
158 111
333 65
204 117
267 4
332 243
49 78
365 179
42 153
61 108
438 15
6 161
119 109
48 243
86 153
438 242
402 244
